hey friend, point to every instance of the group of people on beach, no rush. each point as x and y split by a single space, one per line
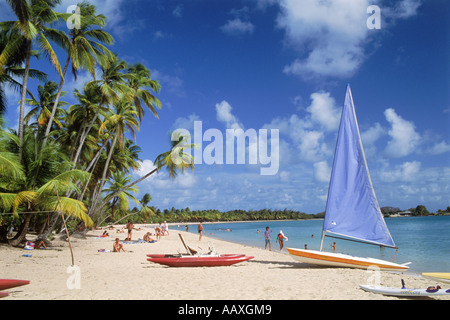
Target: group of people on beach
161 230
267 238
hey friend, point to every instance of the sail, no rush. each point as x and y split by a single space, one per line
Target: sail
352 208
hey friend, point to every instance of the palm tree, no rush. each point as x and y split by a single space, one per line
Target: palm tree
41 110
142 84
34 16
84 47
166 160
112 88
29 185
12 70
117 182
125 117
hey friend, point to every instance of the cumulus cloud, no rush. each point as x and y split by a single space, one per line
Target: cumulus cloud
308 134
224 115
186 122
403 136
322 172
332 37
324 111
405 172
329 34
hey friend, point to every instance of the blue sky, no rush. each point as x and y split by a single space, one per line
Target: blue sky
285 64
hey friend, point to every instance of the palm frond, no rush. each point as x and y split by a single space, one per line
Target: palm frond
10 166
70 207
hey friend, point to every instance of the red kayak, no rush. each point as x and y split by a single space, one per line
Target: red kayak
4 294
11 283
198 261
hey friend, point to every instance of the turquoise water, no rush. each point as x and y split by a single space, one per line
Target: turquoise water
424 241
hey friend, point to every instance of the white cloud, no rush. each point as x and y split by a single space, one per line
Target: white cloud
186 123
331 37
308 134
404 138
329 34
146 166
438 148
322 172
238 27
407 171
324 112
224 115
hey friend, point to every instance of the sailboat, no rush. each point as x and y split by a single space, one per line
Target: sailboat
352 209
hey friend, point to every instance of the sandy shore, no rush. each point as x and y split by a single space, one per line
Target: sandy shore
271 275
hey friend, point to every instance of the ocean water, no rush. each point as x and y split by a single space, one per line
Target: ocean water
424 241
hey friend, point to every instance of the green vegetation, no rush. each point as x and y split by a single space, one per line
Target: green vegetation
75 159
186 215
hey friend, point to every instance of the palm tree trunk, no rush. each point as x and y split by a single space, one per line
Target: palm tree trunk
17 240
86 132
105 171
24 96
55 104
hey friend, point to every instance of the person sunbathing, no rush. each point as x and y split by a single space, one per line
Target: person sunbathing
117 246
148 238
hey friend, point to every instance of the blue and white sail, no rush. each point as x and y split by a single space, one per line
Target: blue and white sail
352 207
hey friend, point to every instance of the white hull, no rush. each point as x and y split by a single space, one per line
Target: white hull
398 292
330 259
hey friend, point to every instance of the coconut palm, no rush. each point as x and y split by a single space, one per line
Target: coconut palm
121 200
169 160
32 26
41 108
84 46
142 85
124 119
112 88
30 185
13 70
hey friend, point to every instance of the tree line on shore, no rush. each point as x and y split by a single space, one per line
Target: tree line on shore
211 215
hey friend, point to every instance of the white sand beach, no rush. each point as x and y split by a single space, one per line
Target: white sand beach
271 275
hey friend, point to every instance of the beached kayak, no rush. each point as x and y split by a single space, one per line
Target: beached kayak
11 283
405 292
4 294
199 261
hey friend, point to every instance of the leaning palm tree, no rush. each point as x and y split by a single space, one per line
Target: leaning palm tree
121 200
174 160
85 48
124 119
31 185
32 26
112 88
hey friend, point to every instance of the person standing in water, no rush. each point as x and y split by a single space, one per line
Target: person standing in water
267 239
200 231
280 239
